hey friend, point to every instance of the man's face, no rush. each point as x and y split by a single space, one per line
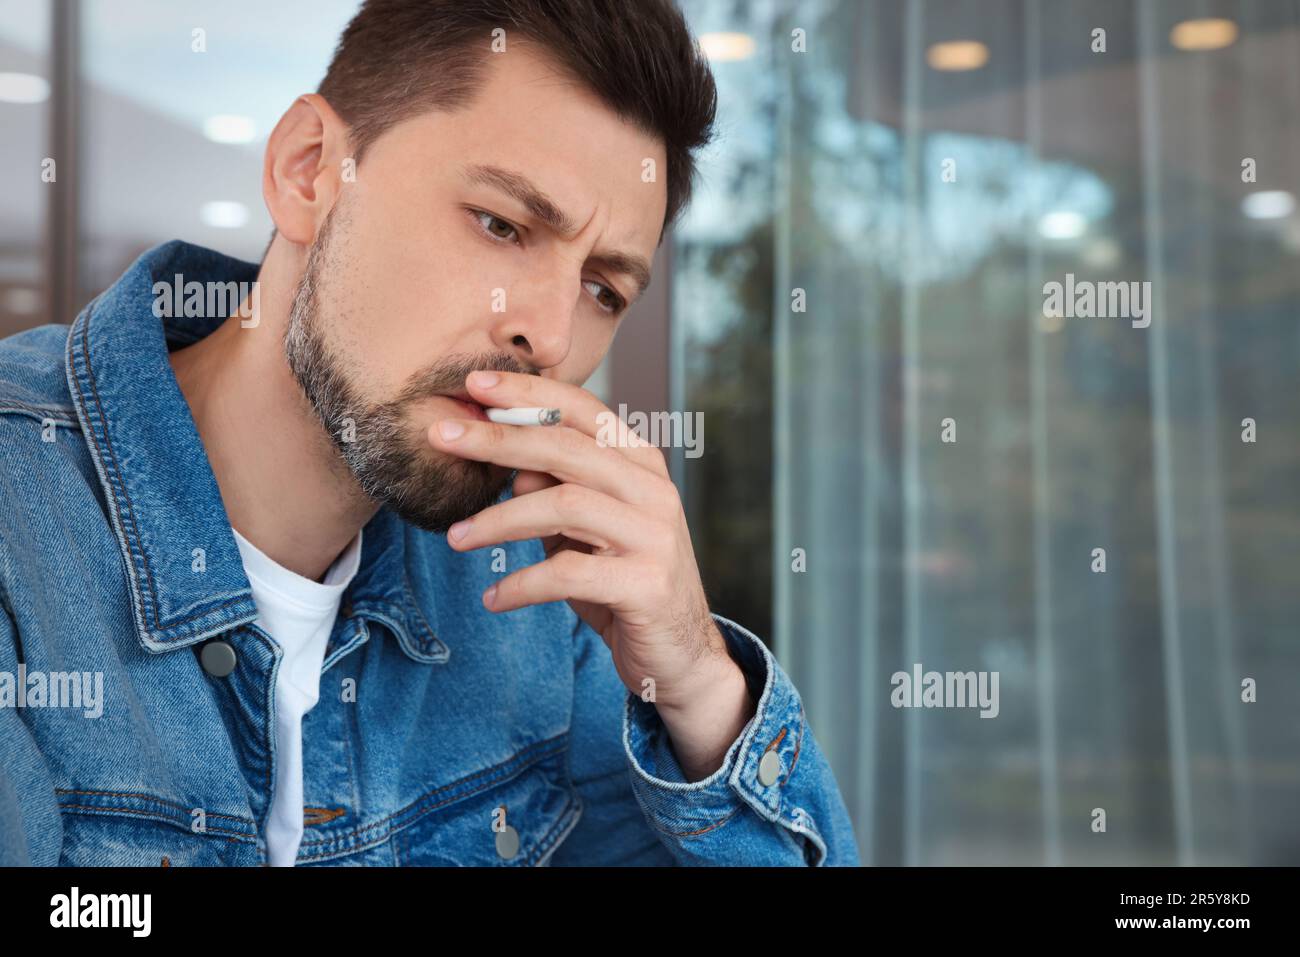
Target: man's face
427 267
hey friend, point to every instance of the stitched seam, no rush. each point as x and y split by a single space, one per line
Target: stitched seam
794 759
412 603
131 812
13 405
698 831
199 614
151 798
85 351
551 836
256 634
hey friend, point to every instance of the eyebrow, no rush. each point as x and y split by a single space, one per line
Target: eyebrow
544 209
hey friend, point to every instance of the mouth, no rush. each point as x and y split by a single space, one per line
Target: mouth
467 407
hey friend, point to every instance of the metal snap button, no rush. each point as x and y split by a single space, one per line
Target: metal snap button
218 658
507 842
769 769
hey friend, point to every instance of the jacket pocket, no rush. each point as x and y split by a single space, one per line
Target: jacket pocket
514 814
134 829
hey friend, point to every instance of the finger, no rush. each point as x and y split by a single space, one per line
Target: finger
557 450
573 511
579 409
527 483
566 576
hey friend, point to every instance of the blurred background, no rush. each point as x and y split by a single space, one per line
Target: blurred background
1117 156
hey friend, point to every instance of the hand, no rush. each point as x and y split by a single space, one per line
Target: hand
618 550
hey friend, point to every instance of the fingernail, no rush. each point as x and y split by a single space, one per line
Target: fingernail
457 531
485 380
490 596
451 430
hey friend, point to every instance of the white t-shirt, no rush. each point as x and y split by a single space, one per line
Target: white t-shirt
298 614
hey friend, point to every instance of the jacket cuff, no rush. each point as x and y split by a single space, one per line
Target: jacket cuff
757 766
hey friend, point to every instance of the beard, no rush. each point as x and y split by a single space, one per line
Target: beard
384 444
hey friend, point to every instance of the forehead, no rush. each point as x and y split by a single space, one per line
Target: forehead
531 116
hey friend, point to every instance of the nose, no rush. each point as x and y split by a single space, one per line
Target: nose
536 323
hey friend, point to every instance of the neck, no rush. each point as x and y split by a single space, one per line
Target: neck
283 483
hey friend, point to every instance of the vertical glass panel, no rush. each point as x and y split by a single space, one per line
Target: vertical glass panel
722 307
25 87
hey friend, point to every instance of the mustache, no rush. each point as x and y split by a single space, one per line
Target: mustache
448 374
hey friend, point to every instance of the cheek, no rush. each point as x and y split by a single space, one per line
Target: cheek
406 304
592 340
444 282
579 365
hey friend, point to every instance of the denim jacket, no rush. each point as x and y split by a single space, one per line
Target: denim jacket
445 734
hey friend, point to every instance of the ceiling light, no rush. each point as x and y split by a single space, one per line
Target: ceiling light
223 214
1208 33
23 88
957 55
1062 224
726 47
1268 204
228 128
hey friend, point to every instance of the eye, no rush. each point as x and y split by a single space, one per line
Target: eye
492 224
614 305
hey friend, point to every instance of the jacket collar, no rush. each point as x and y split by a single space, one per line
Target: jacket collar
186 576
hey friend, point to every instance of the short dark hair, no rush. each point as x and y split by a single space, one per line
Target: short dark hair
398 58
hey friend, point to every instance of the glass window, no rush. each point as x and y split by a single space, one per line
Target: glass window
179 102
915 458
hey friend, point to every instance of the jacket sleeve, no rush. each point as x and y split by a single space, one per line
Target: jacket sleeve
31 828
773 802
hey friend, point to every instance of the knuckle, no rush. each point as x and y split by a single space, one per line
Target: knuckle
569 498
656 459
573 568
665 535
583 571
667 497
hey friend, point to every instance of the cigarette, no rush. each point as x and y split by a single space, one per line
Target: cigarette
525 416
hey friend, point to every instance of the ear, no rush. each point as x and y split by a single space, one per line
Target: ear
302 169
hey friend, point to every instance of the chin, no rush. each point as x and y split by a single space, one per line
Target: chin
446 491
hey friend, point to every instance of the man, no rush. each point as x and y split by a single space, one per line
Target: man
339 616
